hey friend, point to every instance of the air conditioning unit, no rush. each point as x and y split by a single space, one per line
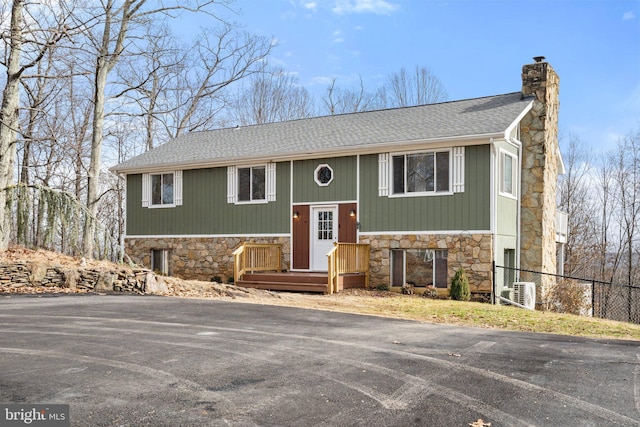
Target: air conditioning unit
524 293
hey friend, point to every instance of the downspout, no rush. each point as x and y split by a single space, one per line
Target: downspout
124 231
518 145
291 219
358 198
494 206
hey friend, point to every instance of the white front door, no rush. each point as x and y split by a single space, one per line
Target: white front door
324 231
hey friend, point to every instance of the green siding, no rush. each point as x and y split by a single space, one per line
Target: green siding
506 215
342 188
469 210
507 207
205 209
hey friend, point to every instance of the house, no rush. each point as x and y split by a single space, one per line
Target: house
428 189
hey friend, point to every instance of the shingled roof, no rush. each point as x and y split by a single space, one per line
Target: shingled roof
331 135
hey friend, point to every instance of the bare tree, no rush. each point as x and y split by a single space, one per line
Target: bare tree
401 89
627 180
187 88
114 25
576 198
44 30
149 81
221 57
609 248
340 101
404 89
273 96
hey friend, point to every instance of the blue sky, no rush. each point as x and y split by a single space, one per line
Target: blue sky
476 48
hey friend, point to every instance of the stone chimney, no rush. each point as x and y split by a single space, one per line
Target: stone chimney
540 165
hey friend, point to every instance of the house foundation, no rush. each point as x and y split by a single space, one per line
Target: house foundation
471 252
198 258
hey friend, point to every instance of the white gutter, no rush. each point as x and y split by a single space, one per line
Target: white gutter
518 145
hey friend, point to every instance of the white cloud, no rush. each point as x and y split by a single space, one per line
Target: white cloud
628 16
337 36
379 7
312 6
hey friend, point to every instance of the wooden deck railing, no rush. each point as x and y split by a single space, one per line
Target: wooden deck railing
347 258
256 257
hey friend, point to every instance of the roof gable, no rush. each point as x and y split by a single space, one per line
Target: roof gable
327 135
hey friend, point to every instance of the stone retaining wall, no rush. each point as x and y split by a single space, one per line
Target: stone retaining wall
198 258
472 253
23 275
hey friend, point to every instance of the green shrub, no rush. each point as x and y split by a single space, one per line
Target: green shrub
460 287
216 279
230 280
382 287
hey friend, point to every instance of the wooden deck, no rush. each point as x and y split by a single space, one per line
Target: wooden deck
299 281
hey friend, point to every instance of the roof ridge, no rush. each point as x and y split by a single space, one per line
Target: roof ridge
407 107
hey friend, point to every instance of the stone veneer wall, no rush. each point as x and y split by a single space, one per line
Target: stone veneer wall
540 162
472 253
198 258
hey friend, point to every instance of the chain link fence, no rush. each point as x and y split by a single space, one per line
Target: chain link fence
566 294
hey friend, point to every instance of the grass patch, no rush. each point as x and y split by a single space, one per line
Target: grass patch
462 313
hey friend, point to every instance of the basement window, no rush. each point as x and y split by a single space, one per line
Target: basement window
160 261
419 267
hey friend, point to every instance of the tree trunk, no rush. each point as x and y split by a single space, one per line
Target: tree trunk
93 174
9 118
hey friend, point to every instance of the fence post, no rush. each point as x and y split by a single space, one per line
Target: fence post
493 283
593 298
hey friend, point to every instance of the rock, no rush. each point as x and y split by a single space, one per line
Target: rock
154 285
104 283
71 277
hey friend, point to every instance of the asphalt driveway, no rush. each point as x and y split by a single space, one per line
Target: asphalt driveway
154 361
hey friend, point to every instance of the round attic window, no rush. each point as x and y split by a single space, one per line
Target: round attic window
323 175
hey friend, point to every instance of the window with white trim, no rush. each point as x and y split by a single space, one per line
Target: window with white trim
251 184
419 267
508 174
162 189
323 175
422 173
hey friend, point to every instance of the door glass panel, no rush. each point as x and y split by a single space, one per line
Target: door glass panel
325 225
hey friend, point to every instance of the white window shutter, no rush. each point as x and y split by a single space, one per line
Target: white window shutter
232 175
146 190
271 182
458 169
383 174
177 188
